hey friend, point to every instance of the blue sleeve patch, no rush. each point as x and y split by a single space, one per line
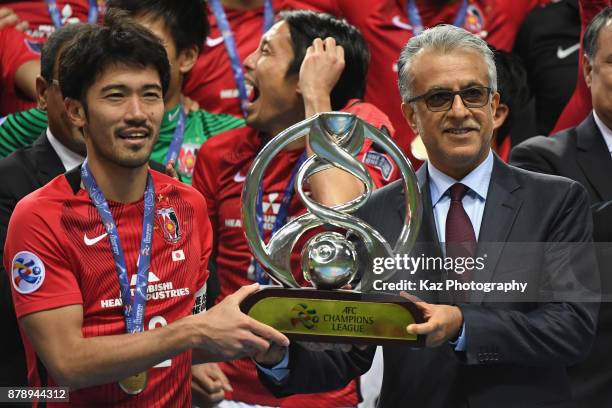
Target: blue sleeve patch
28 272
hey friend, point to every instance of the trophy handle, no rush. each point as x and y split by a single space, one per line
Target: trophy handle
335 137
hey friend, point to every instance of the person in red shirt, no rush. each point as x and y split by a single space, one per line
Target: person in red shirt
108 276
294 74
19 66
213 82
43 17
579 105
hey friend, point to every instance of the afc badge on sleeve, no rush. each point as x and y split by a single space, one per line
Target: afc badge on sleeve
28 272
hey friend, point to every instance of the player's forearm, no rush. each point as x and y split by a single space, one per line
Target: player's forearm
333 186
105 359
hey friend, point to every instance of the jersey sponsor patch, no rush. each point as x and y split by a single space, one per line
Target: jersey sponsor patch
379 161
28 272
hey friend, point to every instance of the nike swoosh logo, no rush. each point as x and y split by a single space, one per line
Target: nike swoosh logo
239 178
172 116
93 241
396 21
213 42
564 53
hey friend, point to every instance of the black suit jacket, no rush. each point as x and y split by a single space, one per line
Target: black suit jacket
516 352
581 154
20 173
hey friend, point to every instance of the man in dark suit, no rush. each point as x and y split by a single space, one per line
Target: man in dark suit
60 148
584 154
483 350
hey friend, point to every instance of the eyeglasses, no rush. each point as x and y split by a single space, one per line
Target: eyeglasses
440 100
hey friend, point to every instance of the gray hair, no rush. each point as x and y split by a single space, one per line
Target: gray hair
443 38
590 42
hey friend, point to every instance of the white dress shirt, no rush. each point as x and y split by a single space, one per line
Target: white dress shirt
69 159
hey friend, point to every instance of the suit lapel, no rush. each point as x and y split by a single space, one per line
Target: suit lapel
500 212
593 157
428 231
45 160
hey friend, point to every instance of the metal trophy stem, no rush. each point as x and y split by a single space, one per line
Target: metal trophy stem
329 259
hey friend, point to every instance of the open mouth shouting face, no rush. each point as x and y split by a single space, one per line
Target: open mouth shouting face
274 103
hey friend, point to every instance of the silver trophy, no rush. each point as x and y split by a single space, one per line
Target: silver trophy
329 259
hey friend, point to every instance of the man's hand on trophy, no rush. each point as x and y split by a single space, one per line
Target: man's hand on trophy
320 70
225 333
272 356
442 322
208 385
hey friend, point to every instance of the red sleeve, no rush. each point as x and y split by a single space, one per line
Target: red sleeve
380 165
579 105
14 52
37 264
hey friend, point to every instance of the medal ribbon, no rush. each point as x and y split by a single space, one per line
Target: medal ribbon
133 312
177 138
230 45
56 17
281 216
417 22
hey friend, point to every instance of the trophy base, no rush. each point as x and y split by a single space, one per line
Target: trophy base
336 316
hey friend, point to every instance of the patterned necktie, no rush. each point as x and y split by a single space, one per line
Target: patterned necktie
460 236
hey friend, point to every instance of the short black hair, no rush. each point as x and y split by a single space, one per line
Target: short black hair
187 20
119 41
591 35
306 26
53 45
512 86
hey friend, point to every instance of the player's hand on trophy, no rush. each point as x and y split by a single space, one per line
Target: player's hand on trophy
225 333
208 385
442 322
322 66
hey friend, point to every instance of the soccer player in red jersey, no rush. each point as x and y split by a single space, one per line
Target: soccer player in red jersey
19 66
45 16
114 247
294 74
388 24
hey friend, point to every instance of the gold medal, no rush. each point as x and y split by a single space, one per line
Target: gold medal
135 384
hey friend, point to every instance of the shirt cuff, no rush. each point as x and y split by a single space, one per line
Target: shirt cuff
280 371
459 344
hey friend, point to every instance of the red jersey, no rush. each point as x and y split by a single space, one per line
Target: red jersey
14 52
580 105
36 13
386 28
222 164
58 254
